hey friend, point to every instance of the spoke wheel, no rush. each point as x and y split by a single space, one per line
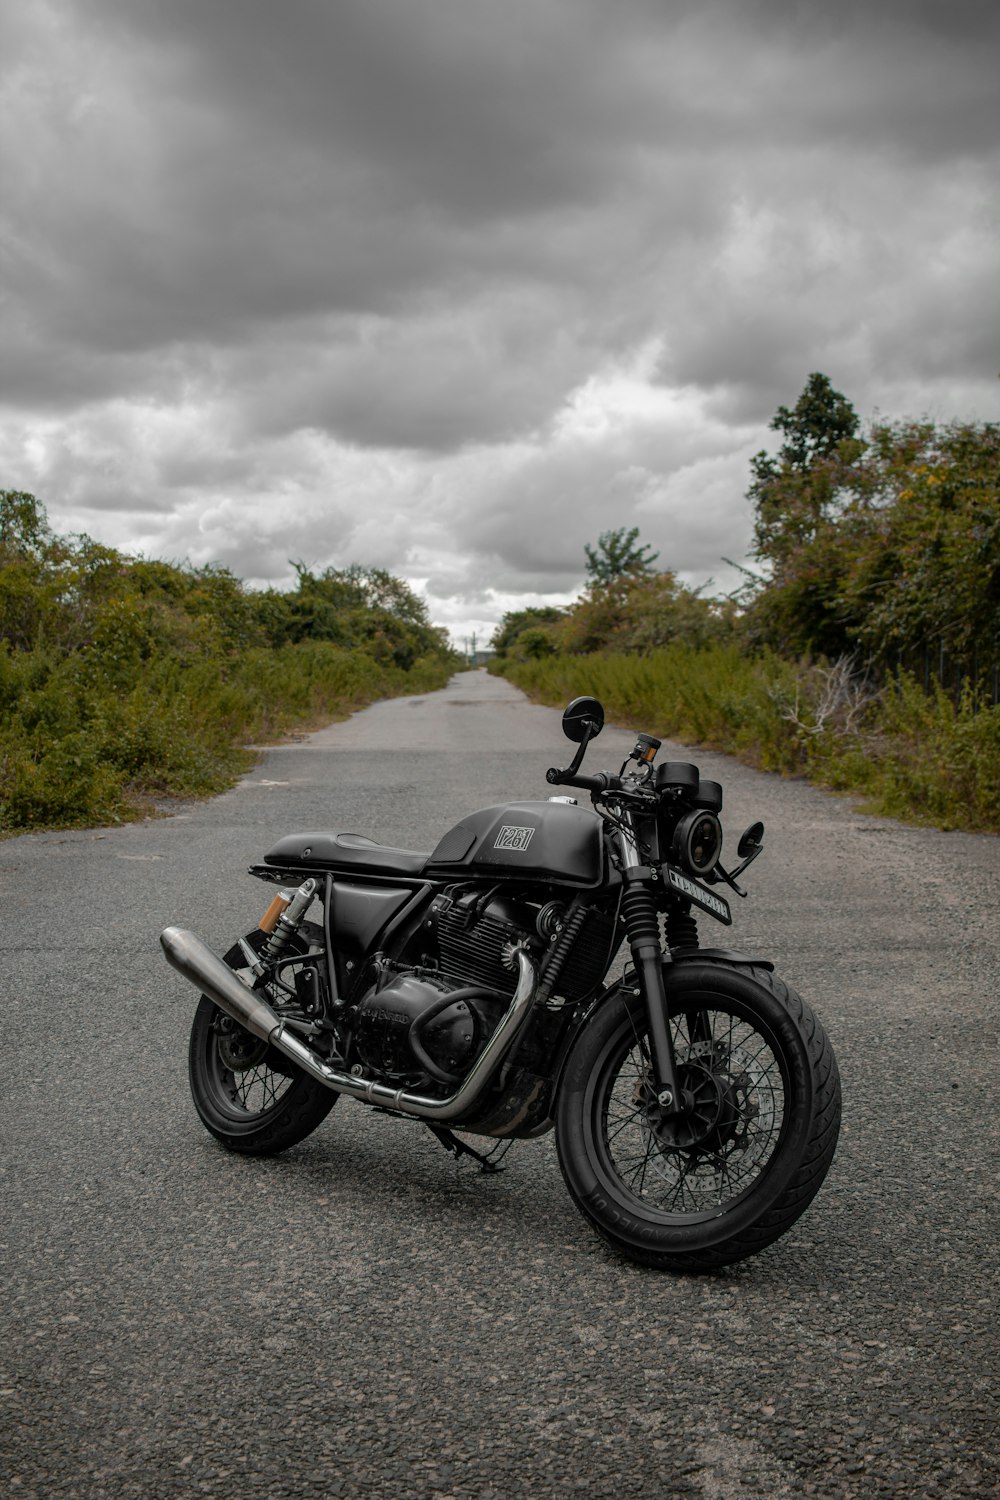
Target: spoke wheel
731 1172
704 1160
247 1094
246 1069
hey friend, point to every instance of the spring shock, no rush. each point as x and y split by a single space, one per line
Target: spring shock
287 924
559 952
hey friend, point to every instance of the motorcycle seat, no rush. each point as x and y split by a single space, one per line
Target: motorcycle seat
345 851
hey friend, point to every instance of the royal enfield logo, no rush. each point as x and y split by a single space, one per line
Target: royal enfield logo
513 838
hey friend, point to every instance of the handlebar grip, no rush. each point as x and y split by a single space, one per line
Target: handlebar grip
599 783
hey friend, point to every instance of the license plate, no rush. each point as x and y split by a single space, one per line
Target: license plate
707 900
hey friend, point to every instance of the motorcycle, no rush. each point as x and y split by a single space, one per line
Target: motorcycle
695 1098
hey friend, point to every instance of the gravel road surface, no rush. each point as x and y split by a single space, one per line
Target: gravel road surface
363 1315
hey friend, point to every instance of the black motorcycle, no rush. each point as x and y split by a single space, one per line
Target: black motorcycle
695 1099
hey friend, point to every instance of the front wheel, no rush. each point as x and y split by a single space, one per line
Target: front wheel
248 1095
713 1185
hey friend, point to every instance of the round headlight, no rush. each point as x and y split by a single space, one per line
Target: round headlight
697 842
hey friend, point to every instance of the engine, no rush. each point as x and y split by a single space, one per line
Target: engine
435 1017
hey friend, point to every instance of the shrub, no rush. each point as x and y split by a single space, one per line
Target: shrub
909 754
122 679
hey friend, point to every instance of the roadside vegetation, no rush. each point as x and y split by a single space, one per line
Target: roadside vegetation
125 680
864 649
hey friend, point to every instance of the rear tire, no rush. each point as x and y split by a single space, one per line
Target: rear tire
249 1096
700 1191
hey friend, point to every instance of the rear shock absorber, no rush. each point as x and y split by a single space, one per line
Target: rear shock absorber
287 924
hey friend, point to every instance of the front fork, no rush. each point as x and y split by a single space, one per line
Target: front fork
642 929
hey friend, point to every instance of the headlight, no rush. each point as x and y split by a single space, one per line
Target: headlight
697 842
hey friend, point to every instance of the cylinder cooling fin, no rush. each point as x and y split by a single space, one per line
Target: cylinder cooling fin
475 938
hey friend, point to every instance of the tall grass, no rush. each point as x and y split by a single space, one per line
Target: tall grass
125 679
905 753
91 738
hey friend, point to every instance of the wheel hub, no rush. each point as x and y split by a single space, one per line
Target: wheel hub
698 1122
239 1049
711 1117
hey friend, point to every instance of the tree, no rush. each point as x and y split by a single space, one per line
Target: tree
506 640
355 606
922 540
798 497
618 556
819 422
795 494
886 547
31 571
24 529
641 613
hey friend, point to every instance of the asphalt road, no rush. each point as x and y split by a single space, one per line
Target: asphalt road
363 1316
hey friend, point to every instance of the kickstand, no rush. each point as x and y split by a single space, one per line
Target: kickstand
452 1143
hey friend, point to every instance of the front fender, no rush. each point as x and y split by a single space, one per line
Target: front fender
721 956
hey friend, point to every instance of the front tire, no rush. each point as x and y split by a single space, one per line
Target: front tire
249 1096
713 1186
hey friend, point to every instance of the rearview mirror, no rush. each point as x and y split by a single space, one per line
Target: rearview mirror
583 719
751 840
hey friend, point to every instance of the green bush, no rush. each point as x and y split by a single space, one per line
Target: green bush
122 680
63 785
908 754
935 761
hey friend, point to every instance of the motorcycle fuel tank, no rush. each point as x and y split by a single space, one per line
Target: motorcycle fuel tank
524 841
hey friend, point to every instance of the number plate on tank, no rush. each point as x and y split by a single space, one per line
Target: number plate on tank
513 838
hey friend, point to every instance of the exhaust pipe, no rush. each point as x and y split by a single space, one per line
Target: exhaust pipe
200 966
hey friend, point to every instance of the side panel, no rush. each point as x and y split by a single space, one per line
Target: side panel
368 916
361 911
359 914
524 841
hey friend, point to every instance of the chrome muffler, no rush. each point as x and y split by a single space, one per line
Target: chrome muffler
202 968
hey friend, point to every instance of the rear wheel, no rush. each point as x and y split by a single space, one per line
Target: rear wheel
716 1184
249 1096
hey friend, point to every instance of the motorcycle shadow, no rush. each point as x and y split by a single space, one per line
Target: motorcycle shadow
367 1165
371 1177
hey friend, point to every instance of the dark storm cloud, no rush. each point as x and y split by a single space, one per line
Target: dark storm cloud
243 118
229 168
214 175
373 275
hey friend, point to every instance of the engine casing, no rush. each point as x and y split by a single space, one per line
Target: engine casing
451 1038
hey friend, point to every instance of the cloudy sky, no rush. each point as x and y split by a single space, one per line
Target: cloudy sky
452 286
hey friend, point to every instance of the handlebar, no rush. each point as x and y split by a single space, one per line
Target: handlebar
602 782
